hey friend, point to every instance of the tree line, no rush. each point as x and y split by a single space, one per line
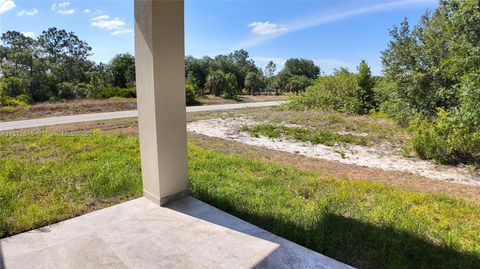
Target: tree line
236 73
55 66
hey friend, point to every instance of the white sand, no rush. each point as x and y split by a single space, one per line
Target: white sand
381 157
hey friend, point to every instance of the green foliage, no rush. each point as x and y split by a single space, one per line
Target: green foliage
366 84
230 85
302 67
254 83
122 67
297 83
68 90
190 94
215 82
452 137
14 86
237 63
339 92
280 81
433 78
314 136
270 69
111 91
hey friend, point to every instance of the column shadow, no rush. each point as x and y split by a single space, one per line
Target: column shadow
354 242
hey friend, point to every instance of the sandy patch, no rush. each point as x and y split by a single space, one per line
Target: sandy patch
380 156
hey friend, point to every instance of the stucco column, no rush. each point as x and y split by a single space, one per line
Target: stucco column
160 81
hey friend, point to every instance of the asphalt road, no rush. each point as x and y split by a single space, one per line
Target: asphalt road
22 124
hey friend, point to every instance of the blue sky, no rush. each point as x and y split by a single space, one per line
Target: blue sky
332 33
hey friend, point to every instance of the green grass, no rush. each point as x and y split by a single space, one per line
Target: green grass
314 136
46 178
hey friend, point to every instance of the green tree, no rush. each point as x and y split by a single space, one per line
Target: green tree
302 67
339 92
231 85
254 83
122 68
280 81
270 69
215 82
366 83
297 83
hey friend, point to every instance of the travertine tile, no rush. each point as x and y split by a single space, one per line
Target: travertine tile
38 259
22 244
87 251
154 252
160 219
233 250
190 206
63 231
226 220
125 232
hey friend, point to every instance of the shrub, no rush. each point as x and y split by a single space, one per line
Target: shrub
13 87
454 136
68 90
111 91
215 82
297 83
8 100
190 94
338 92
231 85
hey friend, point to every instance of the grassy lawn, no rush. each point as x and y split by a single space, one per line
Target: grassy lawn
45 178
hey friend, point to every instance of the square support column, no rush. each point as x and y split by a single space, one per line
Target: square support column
160 82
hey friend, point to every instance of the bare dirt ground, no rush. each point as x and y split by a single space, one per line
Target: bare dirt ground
380 156
73 107
324 168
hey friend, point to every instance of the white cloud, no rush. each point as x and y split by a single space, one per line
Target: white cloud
266 28
115 25
105 22
86 10
29 34
63 8
122 31
26 12
66 11
320 19
6 5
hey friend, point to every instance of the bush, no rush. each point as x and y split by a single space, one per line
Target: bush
191 94
215 82
68 90
8 100
230 85
338 92
112 91
453 137
13 87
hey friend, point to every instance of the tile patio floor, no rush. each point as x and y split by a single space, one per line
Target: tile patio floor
140 234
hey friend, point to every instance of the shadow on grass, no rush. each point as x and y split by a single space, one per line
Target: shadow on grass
357 243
